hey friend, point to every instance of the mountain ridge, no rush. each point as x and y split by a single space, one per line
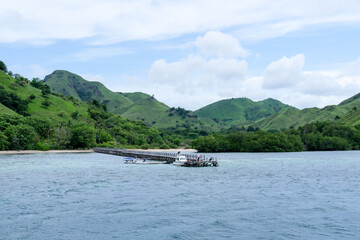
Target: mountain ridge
267 114
240 110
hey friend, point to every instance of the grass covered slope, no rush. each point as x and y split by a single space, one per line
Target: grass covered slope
148 110
70 84
346 112
6 110
38 104
33 117
134 106
240 110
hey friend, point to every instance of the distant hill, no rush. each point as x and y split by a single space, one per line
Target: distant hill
268 114
70 84
347 112
135 106
240 110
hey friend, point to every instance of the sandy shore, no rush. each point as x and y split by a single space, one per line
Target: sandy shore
165 150
50 151
90 151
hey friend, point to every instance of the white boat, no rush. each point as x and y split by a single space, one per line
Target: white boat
180 160
141 161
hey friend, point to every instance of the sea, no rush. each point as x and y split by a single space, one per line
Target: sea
306 195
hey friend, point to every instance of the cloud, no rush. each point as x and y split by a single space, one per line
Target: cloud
107 22
212 73
95 53
284 73
285 79
39 72
194 82
197 75
220 45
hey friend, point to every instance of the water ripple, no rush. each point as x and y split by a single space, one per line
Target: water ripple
250 196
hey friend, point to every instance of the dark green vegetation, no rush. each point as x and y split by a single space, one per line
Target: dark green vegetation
33 117
316 136
240 110
3 67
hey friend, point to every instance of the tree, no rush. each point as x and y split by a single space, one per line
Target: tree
3 141
83 136
21 137
3 67
42 126
62 137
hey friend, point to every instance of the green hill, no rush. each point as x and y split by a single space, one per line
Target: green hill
136 96
240 110
50 106
70 84
148 110
33 117
135 106
292 117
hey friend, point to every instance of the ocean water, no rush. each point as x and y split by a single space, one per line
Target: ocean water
310 195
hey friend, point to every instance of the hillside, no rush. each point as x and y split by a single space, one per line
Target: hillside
6 110
43 105
240 110
134 106
33 117
345 112
70 84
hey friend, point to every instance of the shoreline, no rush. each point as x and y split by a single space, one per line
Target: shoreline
38 151
164 150
89 151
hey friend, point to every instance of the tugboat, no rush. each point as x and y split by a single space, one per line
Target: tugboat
180 160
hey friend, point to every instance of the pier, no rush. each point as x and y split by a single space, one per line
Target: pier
169 157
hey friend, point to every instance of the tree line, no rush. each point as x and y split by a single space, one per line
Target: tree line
316 136
102 129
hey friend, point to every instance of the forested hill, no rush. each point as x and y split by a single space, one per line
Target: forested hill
70 84
134 106
347 112
240 110
33 117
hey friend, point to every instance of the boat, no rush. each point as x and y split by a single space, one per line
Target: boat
129 160
180 160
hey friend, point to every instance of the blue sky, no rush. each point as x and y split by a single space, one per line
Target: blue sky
192 53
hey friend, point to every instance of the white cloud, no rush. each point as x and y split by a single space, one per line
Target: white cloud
286 80
220 45
196 80
284 73
39 72
95 53
113 21
189 83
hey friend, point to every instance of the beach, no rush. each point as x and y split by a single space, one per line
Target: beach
166 150
90 151
50 151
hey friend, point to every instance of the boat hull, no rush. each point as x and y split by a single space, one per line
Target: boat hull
179 163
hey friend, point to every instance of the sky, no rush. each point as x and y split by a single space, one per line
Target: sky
191 53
